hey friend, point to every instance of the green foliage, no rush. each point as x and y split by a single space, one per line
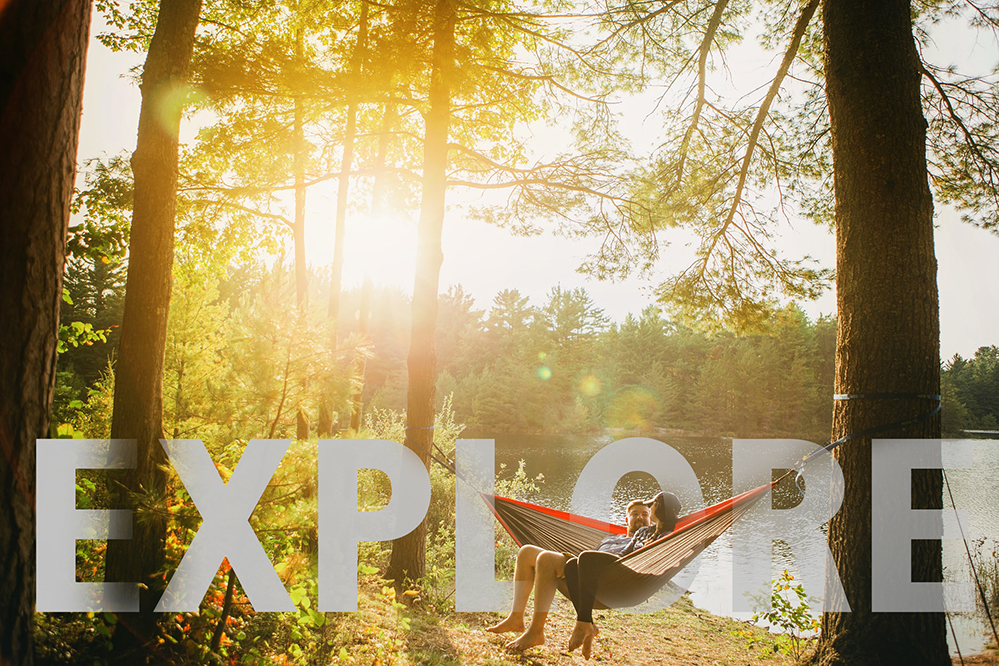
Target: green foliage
517 485
93 283
437 588
790 615
970 389
94 417
78 333
518 370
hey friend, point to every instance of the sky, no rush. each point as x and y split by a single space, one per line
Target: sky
485 259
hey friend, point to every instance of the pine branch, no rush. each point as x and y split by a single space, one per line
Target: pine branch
986 168
761 115
236 206
702 66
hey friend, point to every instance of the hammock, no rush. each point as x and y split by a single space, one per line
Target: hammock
634 577
637 576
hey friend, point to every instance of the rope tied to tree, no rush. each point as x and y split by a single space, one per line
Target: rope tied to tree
828 446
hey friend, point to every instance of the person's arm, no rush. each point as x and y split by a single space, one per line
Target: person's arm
636 540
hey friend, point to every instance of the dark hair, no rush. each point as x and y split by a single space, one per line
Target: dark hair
667 512
633 503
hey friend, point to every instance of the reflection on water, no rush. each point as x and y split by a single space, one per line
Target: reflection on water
561 459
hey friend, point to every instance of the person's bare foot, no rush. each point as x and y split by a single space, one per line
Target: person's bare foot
526 640
582 634
588 642
509 624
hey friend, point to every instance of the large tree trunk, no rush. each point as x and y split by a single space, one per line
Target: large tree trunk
409 552
888 337
43 46
138 396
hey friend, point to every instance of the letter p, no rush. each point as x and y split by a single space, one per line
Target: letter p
342 526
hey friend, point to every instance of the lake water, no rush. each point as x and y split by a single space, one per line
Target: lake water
561 459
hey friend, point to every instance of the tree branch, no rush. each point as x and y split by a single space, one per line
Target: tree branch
544 78
702 66
245 209
968 135
789 55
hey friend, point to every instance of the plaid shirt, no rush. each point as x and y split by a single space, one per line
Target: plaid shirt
643 537
615 544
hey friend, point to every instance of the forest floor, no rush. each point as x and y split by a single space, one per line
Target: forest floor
385 632
680 634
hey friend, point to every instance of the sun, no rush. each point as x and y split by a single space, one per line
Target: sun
382 247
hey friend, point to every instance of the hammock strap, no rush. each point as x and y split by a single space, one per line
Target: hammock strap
828 446
953 635
446 463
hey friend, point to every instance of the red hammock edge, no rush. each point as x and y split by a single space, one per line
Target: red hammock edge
684 523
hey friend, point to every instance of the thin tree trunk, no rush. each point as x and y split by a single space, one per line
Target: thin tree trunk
408 559
379 191
888 323
357 404
43 46
346 164
301 274
220 626
138 396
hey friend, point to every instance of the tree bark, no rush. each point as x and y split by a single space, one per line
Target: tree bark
408 559
138 396
888 322
43 46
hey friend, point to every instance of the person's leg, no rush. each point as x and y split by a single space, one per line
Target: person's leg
523 581
550 567
591 564
572 581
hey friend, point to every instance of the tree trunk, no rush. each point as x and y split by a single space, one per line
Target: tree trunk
301 271
409 552
379 190
346 164
888 335
356 400
43 46
138 396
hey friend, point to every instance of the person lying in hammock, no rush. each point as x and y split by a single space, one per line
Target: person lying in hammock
542 569
583 573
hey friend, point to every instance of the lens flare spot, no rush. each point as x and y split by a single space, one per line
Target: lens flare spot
172 103
542 356
589 385
633 408
544 373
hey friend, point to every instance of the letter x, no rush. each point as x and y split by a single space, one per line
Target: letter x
225 532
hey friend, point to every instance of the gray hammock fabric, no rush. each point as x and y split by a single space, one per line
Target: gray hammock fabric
636 576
